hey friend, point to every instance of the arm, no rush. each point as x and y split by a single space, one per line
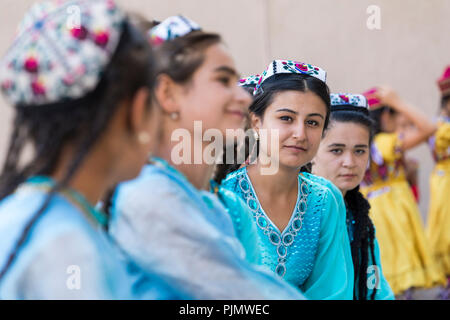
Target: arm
336 282
425 128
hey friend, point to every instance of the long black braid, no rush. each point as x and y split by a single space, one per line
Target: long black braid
363 241
79 122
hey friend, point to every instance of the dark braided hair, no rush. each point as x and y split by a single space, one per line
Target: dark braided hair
363 229
263 98
80 122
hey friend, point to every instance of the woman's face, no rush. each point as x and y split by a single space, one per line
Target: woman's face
299 118
343 155
212 96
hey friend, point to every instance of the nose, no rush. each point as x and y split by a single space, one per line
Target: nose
348 160
299 132
243 97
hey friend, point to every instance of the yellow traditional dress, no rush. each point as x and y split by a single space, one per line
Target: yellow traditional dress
438 228
405 254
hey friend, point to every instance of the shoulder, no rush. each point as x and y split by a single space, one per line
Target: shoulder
322 184
232 179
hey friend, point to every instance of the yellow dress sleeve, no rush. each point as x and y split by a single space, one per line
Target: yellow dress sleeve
443 137
389 146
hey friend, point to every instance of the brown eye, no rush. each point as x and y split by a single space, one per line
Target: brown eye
286 118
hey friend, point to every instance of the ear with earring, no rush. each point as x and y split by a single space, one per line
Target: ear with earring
175 116
143 137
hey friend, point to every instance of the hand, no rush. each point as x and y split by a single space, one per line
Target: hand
386 95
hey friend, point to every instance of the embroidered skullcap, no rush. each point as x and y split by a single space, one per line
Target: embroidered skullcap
289 66
250 81
171 28
348 101
444 82
60 51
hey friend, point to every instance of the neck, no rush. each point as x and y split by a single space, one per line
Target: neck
197 174
92 179
282 182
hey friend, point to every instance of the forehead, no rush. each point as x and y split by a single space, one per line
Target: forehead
348 133
217 55
301 102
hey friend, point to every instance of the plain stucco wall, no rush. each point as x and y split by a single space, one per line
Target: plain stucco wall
409 52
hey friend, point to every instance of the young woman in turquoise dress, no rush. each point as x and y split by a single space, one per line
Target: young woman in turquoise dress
300 217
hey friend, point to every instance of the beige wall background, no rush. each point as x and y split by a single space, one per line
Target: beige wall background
409 52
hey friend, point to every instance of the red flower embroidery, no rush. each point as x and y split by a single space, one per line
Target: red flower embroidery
344 97
302 67
79 33
38 88
31 65
101 38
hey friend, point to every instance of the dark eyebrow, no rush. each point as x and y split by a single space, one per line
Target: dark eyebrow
229 70
286 110
316 114
362 146
336 145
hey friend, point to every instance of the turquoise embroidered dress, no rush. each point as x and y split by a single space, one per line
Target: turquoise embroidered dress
186 237
313 252
375 276
67 254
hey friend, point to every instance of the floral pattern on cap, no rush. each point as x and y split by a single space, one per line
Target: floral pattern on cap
60 51
249 81
348 99
290 66
171 28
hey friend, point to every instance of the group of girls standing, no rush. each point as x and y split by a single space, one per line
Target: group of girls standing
104 210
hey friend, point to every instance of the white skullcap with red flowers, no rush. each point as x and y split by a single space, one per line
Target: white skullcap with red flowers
60 51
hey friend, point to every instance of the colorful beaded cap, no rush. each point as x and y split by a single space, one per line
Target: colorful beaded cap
60 51
289 66
348 99
249 81
444 82
171 28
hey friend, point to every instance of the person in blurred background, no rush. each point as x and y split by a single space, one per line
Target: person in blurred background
405 254
438 226
411 164
342 158
83 102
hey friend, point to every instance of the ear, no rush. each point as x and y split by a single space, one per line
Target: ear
255 121
138 111
166 94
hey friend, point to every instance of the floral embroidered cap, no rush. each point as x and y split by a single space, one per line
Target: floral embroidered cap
171 28
444 82
289 66
60 51
348 101
250 81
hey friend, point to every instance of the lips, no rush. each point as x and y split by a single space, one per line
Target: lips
298 148
348 176
237 113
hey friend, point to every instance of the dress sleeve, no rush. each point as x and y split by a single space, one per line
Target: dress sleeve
243 223
164 233
389 146
336 282
66 267
442 143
